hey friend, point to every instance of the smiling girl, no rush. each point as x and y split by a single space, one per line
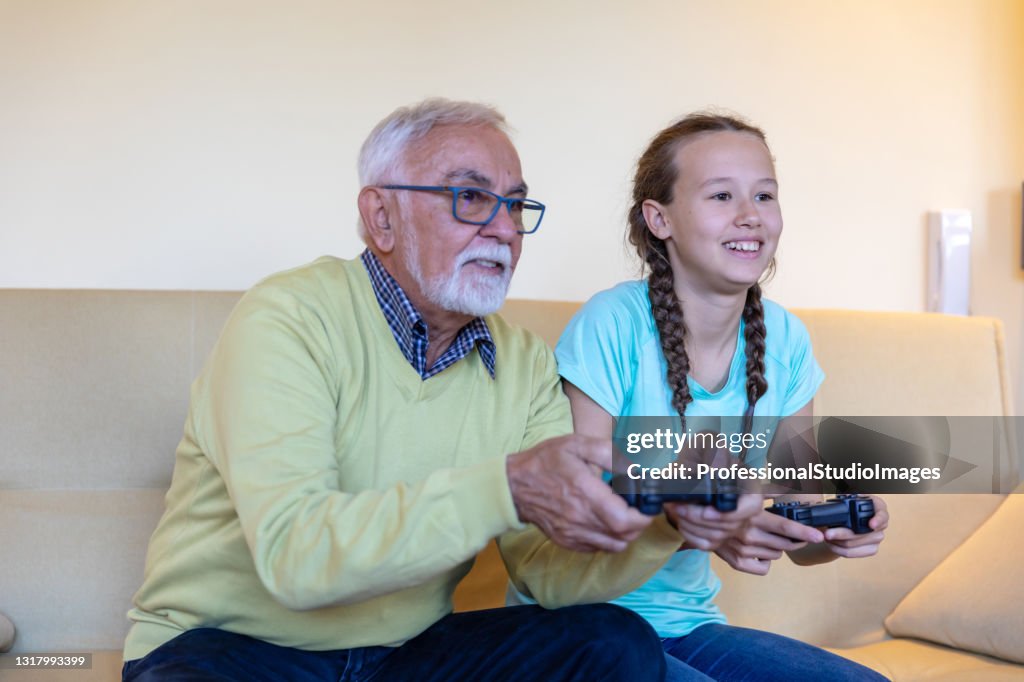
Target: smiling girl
696 339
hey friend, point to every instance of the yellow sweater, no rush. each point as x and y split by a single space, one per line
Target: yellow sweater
325 497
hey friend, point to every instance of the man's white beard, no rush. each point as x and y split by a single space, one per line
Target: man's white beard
460 290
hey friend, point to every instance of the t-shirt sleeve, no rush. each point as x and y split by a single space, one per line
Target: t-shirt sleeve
805 374
594 351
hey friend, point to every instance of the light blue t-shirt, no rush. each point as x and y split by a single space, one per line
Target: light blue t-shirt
611 351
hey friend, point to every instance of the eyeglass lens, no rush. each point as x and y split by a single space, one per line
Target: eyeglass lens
479 206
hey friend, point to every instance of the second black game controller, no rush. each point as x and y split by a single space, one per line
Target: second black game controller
847 511
648 497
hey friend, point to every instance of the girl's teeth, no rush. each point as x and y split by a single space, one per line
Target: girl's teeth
743 246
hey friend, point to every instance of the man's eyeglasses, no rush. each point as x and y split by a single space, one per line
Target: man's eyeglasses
478 206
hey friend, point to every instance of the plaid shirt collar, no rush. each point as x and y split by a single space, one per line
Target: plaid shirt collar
410 330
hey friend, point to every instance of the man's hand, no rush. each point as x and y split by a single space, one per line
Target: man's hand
763 539
557 486
845 543
706 528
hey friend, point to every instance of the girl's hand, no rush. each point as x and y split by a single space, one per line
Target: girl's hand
706 528
845 543
763 539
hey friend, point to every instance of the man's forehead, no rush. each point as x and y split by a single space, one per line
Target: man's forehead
477 155
476 178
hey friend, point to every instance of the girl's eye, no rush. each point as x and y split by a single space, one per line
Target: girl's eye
722 196
765 196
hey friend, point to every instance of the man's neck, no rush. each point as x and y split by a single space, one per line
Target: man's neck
443 326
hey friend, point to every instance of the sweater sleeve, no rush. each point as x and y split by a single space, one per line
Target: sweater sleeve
555 576
268 428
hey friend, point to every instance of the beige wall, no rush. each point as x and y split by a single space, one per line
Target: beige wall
198 144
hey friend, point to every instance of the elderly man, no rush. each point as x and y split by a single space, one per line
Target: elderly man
346 455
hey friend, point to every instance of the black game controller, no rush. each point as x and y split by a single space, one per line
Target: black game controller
647 497
848 511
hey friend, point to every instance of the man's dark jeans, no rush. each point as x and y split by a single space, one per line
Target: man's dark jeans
585 643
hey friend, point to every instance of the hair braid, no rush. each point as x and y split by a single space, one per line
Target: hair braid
668 317
754 333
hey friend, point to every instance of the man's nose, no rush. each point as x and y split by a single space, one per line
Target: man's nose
502 227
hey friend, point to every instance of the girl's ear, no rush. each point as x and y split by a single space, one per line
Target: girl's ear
657 220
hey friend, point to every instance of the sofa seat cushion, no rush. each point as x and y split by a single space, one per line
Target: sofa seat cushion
911 659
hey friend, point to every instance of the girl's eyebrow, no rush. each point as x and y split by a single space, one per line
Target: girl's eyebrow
713 181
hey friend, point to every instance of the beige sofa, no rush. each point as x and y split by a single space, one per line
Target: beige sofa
93 393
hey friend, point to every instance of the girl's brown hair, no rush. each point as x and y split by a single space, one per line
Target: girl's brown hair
656 174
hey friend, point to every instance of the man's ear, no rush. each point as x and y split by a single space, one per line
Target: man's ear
376 216
657 221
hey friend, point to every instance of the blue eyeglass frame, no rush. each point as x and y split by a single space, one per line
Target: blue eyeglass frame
455 189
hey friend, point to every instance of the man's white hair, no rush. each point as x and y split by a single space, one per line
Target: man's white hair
382 153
